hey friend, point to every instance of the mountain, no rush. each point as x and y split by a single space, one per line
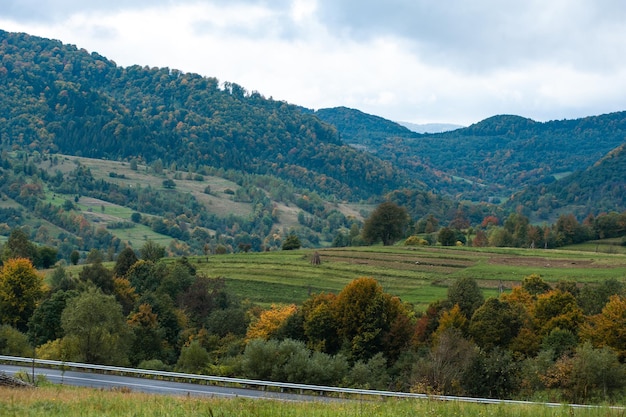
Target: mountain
57 98
430 127
489 160
599 188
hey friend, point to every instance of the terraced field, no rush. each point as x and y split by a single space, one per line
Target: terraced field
417 275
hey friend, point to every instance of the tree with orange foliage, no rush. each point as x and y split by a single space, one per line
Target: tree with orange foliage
452 319
557 309
21 288
609 327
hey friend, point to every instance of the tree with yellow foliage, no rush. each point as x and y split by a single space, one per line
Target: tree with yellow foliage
609 327
21 288
270 321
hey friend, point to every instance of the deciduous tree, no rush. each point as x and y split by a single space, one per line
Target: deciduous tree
466 293
21 288
270 322
608 328
387 223
494 324
94 323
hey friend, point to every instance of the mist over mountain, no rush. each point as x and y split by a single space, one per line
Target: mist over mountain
430 127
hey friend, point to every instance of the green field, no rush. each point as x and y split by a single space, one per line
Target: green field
51 401
417 275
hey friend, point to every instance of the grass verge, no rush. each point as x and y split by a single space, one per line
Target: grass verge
51 401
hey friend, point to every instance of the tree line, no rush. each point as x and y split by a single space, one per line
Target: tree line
561 340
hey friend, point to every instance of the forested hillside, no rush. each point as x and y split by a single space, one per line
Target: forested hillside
57 98
601 186
494 158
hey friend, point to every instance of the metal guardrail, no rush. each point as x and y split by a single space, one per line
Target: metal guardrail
281 385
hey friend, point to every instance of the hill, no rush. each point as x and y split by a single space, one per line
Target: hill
599 188
58 98
70 202
492 159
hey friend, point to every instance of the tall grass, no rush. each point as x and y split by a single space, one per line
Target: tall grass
65 401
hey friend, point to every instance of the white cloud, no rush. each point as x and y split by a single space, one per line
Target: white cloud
411 60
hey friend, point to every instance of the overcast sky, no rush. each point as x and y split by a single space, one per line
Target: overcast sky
421 61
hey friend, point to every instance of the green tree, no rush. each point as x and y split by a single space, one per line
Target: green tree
18 246
292 242
446 236
467 294
93 322
13 342
494 324
143 276
147 341
61 280
74 257
593 374
47 256
152 251
21 288
98 275
493 374
193 358
387 223
45 323
169 184
125 260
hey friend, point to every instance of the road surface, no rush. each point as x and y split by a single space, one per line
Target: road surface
153 386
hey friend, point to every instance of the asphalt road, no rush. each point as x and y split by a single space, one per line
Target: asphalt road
152 386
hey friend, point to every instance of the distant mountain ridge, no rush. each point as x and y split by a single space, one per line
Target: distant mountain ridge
494 158
430 127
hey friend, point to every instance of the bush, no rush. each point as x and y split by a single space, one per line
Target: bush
154 365
415 241
13 342
193 358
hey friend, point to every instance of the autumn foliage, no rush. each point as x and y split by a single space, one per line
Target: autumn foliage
21 288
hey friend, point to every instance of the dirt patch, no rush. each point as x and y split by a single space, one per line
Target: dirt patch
541 262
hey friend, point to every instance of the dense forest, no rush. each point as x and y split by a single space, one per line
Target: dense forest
599 188
57 98
497 157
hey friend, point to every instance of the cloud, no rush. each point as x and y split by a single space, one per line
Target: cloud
413 60
479 35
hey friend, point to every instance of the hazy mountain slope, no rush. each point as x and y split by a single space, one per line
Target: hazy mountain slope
430 127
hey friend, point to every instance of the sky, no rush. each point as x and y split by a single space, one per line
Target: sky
419 61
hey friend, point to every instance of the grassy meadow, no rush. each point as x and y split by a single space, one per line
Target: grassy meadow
51 401
417 275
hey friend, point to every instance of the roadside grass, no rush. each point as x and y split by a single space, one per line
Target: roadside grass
58 400
418 275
